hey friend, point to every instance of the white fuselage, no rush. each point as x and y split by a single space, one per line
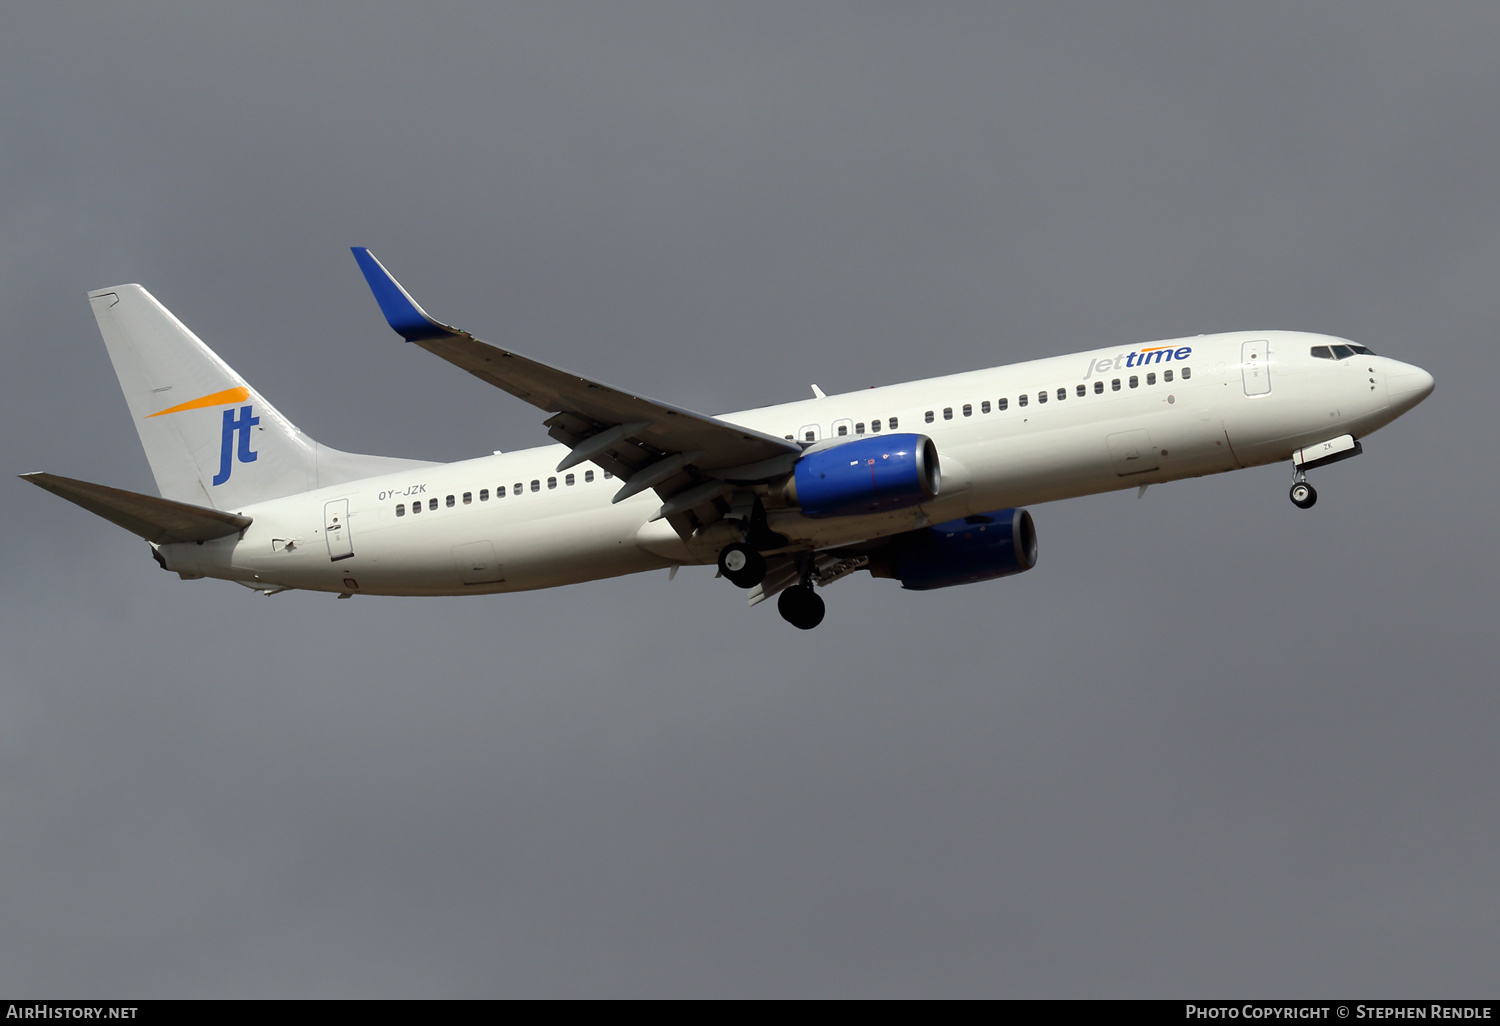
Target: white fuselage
1199 406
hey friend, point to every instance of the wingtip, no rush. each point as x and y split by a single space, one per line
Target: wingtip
401 311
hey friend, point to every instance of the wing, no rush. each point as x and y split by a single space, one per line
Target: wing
689 458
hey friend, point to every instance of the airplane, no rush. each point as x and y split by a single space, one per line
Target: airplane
924 482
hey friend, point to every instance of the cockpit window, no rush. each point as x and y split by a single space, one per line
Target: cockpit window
1341 352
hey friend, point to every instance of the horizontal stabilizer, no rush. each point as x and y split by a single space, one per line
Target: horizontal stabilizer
161 521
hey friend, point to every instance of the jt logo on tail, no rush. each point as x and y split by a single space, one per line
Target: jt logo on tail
235 422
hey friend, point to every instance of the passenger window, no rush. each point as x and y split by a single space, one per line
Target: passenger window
451 502
1083 390
1062 393
551 482
1187 372
416 507
484 495
875 425
1021 399
929 416
400 509
432 504
1151 378
968 409
894 425
468 498
608 475
1134 381
568 480
859 428
1115 385
947 413
588 476
1098 387
1002 404
536 485
811 436
1041 397
1166 375
500 492
843 429
520 488
984 407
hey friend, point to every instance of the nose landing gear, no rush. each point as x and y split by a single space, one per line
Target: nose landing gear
1303 495
1334 450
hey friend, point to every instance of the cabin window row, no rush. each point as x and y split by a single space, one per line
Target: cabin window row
1060 394
841 428
519 488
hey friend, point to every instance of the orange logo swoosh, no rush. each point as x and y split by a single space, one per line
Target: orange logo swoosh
229 395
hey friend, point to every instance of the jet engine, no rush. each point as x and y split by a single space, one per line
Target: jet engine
976 548
873 474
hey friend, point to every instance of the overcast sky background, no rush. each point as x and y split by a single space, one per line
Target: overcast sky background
1211 746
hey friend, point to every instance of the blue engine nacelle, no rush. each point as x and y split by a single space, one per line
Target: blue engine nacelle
977 548
872 474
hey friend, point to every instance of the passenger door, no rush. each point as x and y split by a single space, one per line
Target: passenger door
336 529
1256 367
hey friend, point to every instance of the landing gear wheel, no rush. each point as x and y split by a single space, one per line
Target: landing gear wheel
801 607
742 565
1303 495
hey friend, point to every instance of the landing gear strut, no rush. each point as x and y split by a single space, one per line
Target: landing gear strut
1303 495
742 565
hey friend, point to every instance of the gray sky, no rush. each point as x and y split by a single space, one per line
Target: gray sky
1211 746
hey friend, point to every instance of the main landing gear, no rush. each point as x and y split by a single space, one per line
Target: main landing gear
801 607
742 565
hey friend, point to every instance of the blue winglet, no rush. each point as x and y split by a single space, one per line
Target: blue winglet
408 319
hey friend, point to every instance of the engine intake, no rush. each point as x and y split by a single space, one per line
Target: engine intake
873 474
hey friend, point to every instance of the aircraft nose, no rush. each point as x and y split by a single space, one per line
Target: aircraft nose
1406 385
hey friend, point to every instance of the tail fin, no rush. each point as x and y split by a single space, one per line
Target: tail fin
212 440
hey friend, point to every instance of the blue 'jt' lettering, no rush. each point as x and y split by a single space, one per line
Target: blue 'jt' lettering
235 424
